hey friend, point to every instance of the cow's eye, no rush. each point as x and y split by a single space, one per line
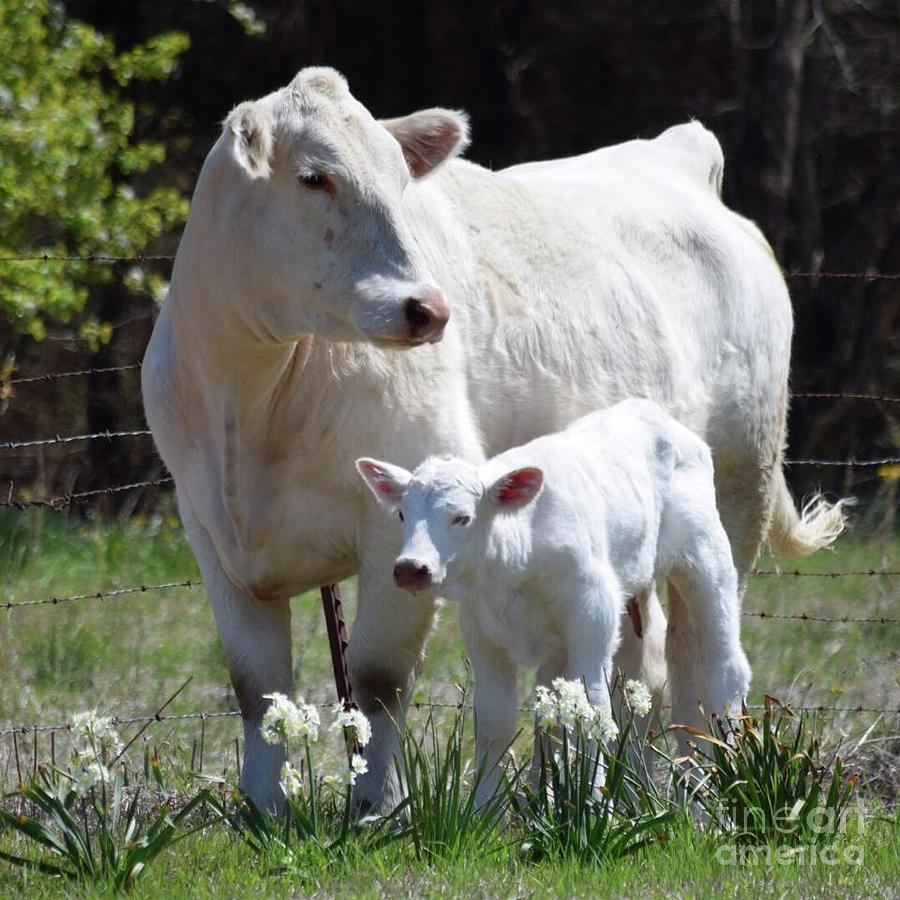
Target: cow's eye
315 181
400 514
461 519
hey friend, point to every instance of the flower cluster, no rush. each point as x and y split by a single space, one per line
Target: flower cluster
98 733
285 720
358 766
291 781
353 723
567 704
638 696
98 746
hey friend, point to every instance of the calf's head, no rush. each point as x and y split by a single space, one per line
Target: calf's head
308 208
446 508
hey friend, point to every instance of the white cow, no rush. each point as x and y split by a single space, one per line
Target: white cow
347 286
543 545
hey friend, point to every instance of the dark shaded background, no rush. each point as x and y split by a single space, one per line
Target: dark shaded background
804 96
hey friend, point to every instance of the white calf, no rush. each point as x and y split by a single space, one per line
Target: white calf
543 544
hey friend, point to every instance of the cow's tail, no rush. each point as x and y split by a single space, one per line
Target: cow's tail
815 526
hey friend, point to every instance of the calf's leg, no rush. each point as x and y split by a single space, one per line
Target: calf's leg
707 664
496 709
553 667
591 637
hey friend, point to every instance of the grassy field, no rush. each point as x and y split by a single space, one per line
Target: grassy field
126 655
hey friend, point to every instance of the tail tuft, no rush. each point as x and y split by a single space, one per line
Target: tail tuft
816 526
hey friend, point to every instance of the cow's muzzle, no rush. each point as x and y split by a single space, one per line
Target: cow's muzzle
426 316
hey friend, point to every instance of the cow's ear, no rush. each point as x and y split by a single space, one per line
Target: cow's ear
250 126
430 137
517 488
385 481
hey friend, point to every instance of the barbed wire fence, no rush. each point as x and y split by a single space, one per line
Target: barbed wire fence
64 501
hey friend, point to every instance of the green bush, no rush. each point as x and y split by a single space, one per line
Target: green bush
69 162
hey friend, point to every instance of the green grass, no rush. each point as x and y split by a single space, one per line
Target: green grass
215 864
126 655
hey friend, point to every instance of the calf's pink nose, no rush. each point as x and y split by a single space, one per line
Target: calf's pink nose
411 575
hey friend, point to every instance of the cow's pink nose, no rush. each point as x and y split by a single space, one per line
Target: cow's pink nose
411 575
426 316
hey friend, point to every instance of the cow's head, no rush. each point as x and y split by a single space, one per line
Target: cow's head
312 219
446 509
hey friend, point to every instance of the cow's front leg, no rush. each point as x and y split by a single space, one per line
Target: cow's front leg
386 649
256 637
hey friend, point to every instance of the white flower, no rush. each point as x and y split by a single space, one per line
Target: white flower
86 775
291 781
568 705
97 732
359 729
601 726
89 724
574 705
285 720
358 766
546 707
638 696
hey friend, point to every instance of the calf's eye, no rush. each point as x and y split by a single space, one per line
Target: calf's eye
460 520
315 181
400 514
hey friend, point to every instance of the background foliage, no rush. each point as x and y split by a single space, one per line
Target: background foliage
803 95
71 170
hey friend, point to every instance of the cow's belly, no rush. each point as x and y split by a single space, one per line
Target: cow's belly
549 380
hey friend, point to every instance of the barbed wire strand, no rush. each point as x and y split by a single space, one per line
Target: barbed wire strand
796 573
801 395
95 436
65 500
54 376
192 583
88 257
112 435
99 595
124 720
855 463
843 395
813 617
167 257
865 276
120 721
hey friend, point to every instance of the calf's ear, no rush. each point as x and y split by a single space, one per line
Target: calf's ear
385 481
517 488
429 137
251 128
